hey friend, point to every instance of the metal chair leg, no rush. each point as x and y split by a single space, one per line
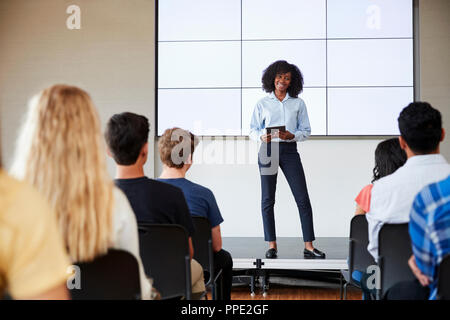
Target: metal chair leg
214 291
252 285
220 292
345 291
265 285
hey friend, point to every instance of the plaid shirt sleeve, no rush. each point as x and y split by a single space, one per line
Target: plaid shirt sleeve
422 245
429 228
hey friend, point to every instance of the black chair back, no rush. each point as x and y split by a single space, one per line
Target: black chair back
203 253
111 276
359 257
164 252
394 251
202 241
443 290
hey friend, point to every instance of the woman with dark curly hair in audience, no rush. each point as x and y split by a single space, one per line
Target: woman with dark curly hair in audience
283 108
388 158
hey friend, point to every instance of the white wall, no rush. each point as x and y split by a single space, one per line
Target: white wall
113 58
434 26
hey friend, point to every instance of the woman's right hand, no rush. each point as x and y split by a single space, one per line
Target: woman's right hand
266 138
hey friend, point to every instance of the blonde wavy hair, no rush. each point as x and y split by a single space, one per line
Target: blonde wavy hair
61 152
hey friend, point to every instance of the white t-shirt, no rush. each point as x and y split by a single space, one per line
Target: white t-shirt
392 196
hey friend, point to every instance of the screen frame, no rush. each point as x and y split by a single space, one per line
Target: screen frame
416 81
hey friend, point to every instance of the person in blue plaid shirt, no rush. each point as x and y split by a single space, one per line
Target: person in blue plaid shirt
429 228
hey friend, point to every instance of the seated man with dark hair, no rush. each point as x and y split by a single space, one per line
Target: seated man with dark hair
392 196
152 201
176 147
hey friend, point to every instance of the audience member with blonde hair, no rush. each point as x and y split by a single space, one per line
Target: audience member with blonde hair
33 260
61 153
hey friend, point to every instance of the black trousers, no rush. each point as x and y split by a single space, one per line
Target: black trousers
288 159
404 290
223 260
408 290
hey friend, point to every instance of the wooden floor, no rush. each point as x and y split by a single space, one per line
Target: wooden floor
279 292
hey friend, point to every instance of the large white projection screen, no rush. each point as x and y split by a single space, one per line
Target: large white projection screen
356 57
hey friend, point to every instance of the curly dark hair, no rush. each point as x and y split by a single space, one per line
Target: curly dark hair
126 134
281 67
388 158
421 127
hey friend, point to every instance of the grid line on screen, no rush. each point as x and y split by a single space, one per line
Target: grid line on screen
305 87
241 68
282 39
156 66
326 67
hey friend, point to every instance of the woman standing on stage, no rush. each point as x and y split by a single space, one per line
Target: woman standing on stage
282 107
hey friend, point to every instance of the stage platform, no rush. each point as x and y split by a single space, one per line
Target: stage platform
249 260
246 251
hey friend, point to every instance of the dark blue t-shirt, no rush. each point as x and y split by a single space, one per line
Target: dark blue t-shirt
156 202
200 200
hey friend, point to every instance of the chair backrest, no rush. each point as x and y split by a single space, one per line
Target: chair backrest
359 258
443 290
111 276
394 251
202 240
164 252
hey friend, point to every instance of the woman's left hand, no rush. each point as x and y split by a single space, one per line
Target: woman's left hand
286 135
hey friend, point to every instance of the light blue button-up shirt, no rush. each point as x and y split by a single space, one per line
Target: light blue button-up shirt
271 112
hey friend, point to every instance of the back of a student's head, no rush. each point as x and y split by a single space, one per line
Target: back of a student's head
60 151
421 127
176 147
389 156
126 134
